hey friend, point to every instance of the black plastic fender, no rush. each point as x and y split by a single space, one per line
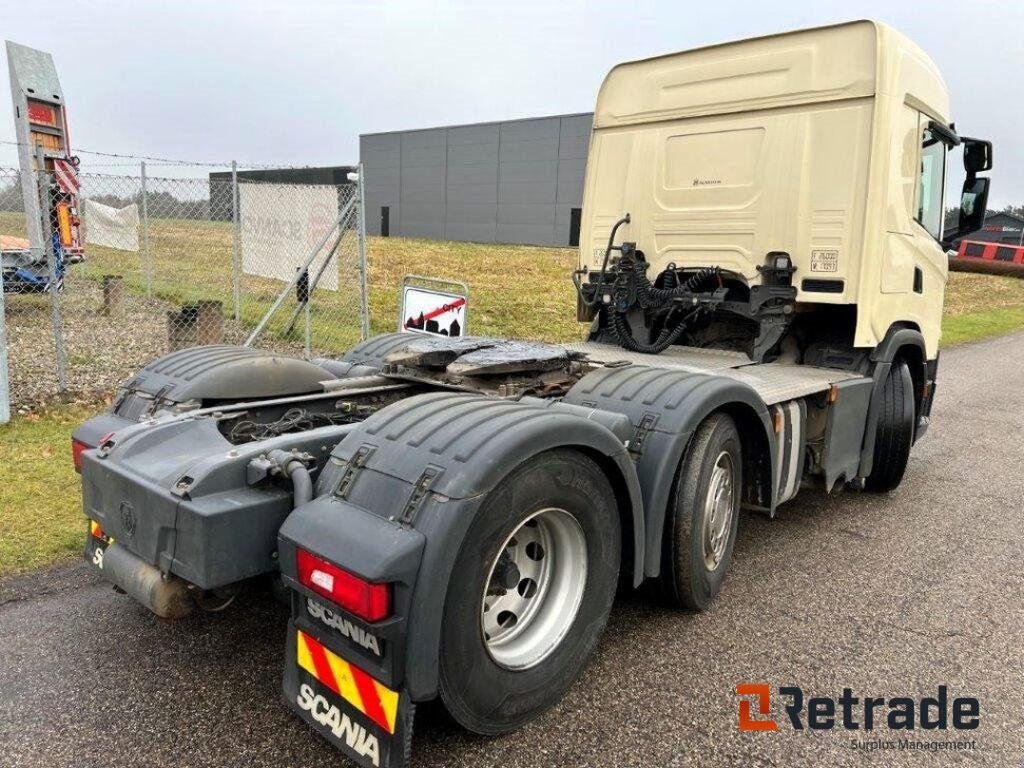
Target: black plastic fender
226 372
426 465
372 352
665 407
898 336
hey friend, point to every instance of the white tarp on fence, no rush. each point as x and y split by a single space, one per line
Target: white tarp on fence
281 225
111 227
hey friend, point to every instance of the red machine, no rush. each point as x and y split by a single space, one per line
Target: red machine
988 258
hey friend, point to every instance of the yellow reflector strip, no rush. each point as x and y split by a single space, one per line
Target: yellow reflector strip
64 224
369 696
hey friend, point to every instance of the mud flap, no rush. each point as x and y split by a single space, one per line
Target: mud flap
367 721
96 543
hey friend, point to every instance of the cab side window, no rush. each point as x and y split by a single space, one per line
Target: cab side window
931 182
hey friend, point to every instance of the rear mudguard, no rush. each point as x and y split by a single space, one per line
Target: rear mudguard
371 353
665 407
400 491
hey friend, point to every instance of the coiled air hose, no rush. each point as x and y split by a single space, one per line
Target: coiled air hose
651 296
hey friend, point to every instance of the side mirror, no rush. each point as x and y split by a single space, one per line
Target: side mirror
973 202
977 155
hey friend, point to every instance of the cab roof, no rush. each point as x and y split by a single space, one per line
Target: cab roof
842 61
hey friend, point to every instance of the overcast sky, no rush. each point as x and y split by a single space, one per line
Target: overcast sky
297 82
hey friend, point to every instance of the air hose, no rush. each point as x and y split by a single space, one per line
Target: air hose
650 296
703 280
624 335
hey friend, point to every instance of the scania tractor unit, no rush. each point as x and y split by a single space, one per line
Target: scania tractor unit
761 270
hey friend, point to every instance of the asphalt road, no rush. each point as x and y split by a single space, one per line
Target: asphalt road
888 595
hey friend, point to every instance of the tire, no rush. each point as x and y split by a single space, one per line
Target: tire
496 683
697 552
895 432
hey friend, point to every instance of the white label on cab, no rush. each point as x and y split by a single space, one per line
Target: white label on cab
824 260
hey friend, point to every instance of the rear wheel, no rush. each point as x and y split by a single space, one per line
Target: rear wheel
701 531
530 592
895 431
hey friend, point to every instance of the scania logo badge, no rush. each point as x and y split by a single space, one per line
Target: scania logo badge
127 519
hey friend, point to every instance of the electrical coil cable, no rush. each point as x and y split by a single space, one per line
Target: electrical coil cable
293 420
649 296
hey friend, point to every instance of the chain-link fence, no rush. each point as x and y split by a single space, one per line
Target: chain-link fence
168 263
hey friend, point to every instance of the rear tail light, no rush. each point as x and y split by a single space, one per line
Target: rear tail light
371 602
77 448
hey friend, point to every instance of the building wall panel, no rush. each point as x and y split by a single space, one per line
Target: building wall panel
514 181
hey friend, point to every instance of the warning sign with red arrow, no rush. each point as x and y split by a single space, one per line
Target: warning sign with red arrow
429 311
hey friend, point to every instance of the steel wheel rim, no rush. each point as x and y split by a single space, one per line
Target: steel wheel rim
719 504
522 624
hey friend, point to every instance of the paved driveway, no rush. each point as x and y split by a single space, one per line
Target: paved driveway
888 595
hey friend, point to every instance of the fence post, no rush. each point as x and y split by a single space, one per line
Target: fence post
236 268
5 391
309 350
43 182
146 258
364 309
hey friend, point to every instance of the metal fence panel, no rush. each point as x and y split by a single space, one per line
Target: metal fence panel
167 266
30 336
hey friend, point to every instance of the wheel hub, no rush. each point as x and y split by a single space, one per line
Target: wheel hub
506 575
719 504
534 589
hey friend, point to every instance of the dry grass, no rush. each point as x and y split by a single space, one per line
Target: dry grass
981 306
519 291
514 291
967 293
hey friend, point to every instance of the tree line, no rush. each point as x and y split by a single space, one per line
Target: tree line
160 203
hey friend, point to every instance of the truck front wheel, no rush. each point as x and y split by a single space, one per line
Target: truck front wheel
701 531
895 432
530 592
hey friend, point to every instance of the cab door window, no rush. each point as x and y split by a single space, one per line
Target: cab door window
931 182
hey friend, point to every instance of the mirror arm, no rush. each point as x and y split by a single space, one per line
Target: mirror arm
944 133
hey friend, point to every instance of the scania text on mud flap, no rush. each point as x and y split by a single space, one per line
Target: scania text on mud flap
450 517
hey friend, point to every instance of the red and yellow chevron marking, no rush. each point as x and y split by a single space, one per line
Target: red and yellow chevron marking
376 701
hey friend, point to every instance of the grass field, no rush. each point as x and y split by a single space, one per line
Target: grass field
40 512
514 290
519 291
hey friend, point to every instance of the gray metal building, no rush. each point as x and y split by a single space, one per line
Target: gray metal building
515 181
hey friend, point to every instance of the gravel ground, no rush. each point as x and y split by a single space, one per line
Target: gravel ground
889 595
99 349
